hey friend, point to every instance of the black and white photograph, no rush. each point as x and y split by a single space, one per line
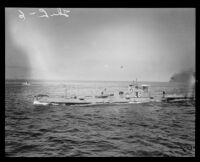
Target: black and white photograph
100 82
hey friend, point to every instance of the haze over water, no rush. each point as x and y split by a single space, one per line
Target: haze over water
150 44
109 47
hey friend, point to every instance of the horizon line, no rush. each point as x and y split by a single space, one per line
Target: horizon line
82 80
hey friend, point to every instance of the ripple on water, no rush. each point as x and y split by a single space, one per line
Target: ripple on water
150 129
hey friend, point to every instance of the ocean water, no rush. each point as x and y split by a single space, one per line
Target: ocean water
134 130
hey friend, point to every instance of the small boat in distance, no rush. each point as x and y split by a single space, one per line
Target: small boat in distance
26 83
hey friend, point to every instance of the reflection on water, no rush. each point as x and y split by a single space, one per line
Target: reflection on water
149 129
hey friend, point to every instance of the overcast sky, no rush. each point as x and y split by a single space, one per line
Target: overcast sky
100 43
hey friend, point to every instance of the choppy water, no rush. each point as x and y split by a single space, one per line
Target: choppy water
149 129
